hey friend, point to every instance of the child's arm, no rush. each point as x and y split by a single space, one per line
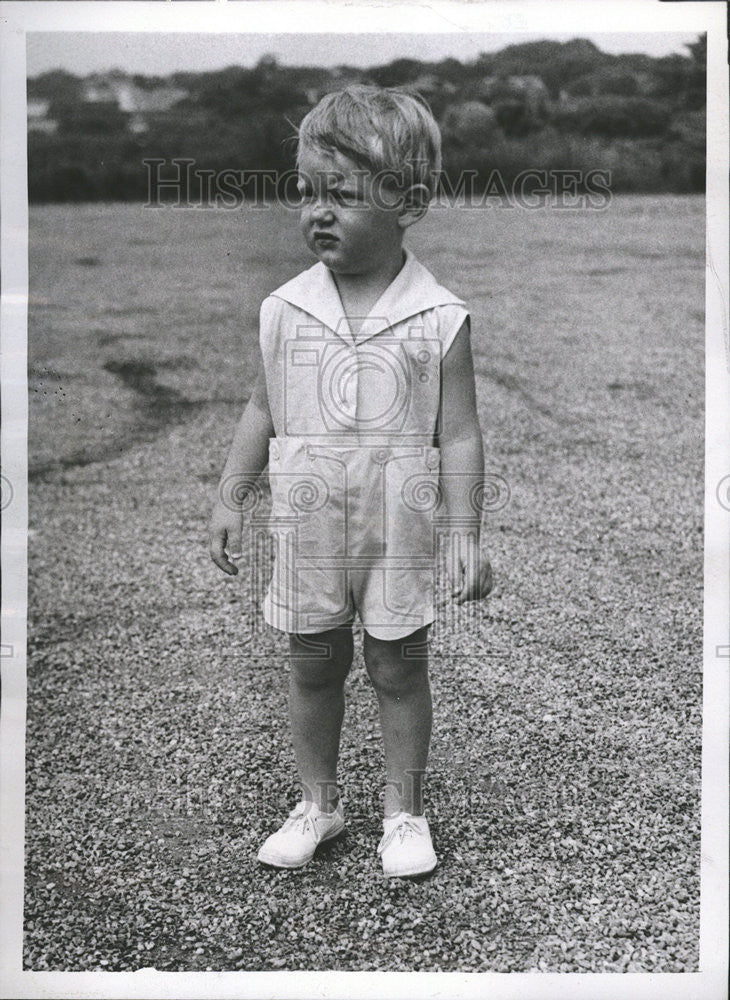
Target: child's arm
247 459
462 472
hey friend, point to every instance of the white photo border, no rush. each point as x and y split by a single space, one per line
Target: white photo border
302 16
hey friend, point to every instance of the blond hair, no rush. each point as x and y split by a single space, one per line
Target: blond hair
384 130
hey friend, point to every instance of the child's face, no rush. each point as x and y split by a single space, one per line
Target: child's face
353 223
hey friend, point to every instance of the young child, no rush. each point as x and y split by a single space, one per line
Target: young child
365 411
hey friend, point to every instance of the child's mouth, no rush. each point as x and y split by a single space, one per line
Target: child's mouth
325 241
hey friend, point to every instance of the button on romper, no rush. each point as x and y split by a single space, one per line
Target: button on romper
353 469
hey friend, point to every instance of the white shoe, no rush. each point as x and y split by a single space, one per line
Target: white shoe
406 847
295 842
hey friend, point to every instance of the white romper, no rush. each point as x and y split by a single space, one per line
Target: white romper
353 468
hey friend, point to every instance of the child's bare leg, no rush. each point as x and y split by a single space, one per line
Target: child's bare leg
319 665
398 670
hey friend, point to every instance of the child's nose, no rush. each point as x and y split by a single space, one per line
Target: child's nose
322 209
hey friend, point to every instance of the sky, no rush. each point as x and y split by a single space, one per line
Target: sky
159 54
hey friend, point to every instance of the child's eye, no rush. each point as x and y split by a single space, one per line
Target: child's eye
346 197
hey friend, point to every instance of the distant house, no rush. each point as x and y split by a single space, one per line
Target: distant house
104 88
38 120
138 102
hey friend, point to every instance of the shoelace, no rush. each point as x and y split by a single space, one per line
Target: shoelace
303 820
406 827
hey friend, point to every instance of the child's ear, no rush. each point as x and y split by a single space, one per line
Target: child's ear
414 205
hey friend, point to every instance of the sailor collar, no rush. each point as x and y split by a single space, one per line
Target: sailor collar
413 290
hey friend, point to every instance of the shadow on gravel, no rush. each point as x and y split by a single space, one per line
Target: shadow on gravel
160 407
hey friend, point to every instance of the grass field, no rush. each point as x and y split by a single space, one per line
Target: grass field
565 778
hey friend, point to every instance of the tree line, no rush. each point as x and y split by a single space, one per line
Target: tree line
538 106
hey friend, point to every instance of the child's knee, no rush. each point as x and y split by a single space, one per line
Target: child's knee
320 661
396 666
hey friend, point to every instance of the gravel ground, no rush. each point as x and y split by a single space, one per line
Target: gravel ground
565 779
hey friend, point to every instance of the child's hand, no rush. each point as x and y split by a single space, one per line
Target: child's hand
225 531
470 572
